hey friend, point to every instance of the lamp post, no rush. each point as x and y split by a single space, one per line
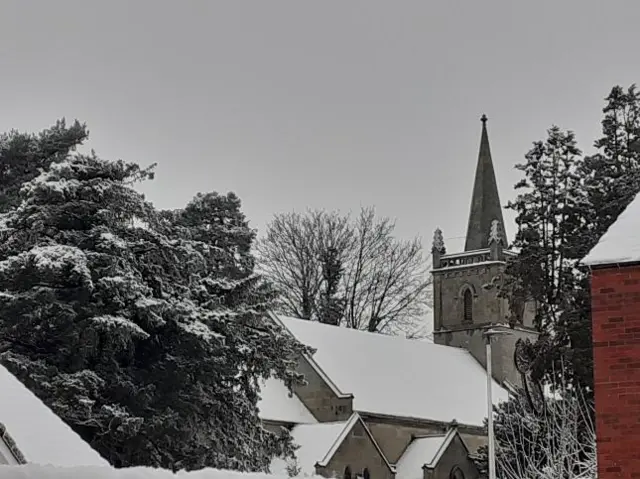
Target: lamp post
488 334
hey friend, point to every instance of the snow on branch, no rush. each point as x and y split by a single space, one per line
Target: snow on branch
559 443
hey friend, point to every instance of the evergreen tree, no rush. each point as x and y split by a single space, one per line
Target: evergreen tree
610 181
22 155
612 175
331 304
546 217
552 208
120 325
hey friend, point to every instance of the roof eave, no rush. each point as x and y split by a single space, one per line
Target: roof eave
612 264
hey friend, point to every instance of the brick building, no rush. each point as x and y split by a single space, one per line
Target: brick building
393 408
615 290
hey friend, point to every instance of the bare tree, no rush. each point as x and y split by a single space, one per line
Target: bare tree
332 268
387 282
288 258
559 443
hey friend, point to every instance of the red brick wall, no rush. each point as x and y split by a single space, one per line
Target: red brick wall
616 352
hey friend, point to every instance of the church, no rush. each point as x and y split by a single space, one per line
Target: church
385 407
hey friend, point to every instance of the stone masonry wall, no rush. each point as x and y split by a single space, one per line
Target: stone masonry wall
358 452
616 347
455 456
320 398
393 438
448 285
502 349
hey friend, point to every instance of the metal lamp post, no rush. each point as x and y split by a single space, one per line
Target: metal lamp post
488 334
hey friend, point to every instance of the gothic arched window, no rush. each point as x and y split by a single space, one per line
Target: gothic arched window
456 473
365 474
347 472
467 305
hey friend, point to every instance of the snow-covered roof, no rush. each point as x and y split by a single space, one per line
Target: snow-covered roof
399 377
423 452
276 404
40 435
621 242
317 444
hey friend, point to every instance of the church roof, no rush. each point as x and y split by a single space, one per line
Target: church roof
276 404
485 202
38 433
621 243
318 443
423 452
393 376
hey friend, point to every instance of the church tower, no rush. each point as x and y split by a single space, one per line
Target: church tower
466 284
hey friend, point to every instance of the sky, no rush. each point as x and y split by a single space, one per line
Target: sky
329 104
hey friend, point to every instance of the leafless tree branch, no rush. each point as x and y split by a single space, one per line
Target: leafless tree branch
385 281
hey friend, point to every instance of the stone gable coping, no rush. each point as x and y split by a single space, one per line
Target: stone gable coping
353 420
11 444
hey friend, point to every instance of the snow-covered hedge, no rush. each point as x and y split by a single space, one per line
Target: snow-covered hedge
35 471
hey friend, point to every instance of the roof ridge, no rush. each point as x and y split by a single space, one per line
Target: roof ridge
428 436
375 334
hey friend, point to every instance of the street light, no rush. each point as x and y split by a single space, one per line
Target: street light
488 334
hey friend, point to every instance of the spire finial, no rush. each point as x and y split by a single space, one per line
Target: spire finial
484 119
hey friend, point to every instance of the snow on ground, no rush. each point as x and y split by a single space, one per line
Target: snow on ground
39 434
400 377
276 404
621 242
33 471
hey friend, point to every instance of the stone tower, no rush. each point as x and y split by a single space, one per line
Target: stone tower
466 284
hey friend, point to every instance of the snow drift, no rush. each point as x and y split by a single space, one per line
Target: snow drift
35 471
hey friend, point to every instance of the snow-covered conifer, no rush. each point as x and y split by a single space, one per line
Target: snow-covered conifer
121 325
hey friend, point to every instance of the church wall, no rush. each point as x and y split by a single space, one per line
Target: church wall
319 398
358 452
393 439
529 314
486 306
456 455
502 349
393 436
474 441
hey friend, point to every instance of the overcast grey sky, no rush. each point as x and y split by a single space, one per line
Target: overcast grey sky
334 104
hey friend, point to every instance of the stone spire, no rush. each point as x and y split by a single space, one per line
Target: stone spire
485 202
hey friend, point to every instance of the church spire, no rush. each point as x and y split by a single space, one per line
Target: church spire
485 202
